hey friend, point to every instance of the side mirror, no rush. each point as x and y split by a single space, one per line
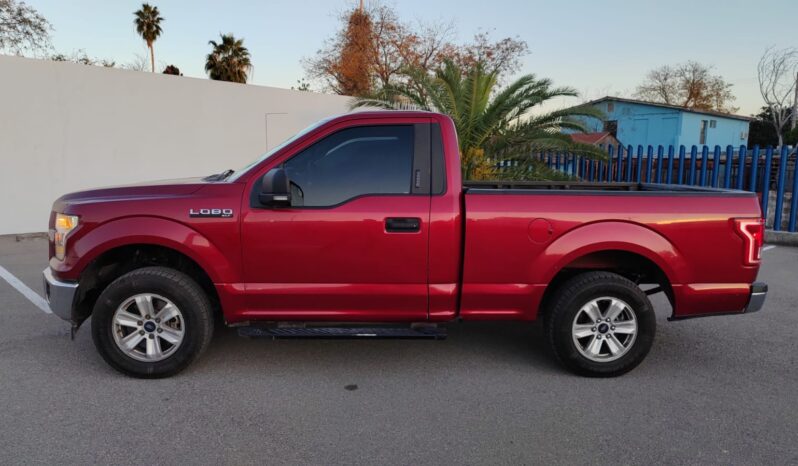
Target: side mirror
275 190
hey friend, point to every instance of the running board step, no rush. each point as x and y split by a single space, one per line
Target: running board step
406 333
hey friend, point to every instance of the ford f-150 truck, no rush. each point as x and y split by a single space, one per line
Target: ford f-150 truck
361 227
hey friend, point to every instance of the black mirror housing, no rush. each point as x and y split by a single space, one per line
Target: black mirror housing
275 189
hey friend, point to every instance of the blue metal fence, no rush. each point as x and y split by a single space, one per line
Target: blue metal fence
769 172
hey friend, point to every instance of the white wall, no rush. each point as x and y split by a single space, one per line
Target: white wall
66 127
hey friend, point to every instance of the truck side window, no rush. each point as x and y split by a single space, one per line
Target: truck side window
353 162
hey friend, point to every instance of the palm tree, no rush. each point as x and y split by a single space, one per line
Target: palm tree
229 60
148 25
493 124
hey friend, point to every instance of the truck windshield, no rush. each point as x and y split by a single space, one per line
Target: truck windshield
238 173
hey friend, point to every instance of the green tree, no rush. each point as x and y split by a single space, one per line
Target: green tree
148 25
229 60
173 70
493 125
301 85
762 132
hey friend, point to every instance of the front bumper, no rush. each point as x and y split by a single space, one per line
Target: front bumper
59 295
759 292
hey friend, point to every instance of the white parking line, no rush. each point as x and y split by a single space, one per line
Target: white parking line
768 248
32 296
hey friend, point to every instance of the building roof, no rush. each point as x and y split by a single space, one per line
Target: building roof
675 107
589 138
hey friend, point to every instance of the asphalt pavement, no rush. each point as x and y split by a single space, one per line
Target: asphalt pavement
721 390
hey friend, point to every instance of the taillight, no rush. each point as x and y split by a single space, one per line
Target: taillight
752 231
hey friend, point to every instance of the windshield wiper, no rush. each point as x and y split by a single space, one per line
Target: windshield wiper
219 176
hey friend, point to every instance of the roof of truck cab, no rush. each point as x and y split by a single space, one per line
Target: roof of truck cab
384 114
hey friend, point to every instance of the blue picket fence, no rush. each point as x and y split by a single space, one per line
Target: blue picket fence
772 173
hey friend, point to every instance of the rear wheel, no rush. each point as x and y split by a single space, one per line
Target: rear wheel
152 322
600 324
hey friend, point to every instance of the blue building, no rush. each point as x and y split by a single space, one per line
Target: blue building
635 122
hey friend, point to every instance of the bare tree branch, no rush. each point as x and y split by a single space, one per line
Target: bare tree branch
139 63
82 58
776 73
689 85
23 29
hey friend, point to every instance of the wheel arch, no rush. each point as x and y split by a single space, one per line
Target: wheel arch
115 262
154 231
115 248
628 249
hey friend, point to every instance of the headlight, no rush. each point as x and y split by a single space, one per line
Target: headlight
63 225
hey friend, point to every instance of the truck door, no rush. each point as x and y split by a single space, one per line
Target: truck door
353 245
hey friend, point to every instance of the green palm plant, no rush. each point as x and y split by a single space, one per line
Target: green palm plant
493 124
229 60
148 25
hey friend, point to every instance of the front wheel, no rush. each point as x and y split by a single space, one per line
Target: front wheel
152 322
600 324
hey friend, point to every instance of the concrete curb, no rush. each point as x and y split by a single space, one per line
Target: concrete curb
783 238
23 236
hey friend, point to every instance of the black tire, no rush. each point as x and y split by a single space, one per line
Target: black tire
579 291
177 287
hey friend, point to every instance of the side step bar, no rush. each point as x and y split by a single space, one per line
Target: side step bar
405 333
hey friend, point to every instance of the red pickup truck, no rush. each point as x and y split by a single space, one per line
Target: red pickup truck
360 227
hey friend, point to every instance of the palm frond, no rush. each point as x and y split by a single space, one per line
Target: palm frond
229 60
493 124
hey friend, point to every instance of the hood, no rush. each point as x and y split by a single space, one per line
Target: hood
145 190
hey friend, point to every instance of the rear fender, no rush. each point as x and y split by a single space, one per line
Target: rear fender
611 235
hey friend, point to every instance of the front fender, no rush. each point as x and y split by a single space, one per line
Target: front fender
611 235
145 230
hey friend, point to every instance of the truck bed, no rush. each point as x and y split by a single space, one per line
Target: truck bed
518 235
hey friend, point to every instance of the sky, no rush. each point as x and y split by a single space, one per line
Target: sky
598 47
